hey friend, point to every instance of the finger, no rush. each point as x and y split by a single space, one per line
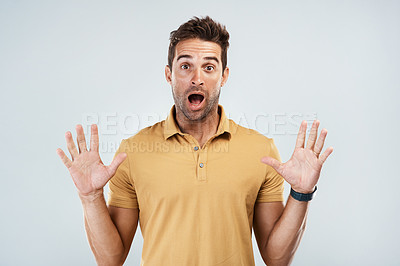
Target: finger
94 138
67 162
325 155
81 139
277 165
320 142
112 168
301 136
71 145
313 135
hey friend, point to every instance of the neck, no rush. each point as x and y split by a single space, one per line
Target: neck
201 130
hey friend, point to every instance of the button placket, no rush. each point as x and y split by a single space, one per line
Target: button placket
196 151
202 165
193 149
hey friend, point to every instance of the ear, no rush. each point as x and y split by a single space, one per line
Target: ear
225 76
168 74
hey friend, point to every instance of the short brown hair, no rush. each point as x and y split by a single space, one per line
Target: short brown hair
205 29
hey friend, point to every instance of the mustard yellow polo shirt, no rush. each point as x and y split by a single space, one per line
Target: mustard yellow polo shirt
196 203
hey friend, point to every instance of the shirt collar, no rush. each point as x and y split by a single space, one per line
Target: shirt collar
171 127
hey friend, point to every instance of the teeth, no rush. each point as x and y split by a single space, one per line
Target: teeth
195 103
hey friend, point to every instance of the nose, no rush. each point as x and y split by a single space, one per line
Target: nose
197 78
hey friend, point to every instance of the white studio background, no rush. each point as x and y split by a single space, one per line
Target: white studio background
69 62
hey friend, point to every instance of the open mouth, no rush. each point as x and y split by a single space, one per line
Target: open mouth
195 99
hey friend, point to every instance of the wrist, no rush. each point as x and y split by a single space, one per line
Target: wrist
91 196
302 196
303 191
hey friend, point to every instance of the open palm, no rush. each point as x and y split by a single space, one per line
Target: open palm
303 169
86 168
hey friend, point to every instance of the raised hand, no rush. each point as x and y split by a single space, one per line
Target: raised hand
87 170
303 169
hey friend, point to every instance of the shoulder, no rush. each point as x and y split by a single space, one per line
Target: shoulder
252 140
152 133
144 138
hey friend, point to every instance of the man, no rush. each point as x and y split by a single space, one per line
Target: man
195 180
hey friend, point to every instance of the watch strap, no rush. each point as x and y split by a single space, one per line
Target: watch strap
301 196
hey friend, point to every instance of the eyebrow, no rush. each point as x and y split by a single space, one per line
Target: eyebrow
190 57
212 58
184 56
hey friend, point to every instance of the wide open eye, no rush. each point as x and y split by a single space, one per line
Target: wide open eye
185 66
209 68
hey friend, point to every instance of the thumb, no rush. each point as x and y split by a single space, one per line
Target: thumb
112 168
272 162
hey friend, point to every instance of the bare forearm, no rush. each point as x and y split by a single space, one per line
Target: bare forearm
286 234
102 234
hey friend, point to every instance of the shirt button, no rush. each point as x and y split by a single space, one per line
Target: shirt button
201 165
196 148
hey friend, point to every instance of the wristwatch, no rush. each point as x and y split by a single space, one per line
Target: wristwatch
301 196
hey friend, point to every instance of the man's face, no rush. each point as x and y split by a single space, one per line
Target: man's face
196 77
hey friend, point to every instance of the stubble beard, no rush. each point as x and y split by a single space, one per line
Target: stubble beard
211 101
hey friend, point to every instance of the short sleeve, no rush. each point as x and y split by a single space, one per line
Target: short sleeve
272 188
122 191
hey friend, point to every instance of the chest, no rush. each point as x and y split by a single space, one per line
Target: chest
217 173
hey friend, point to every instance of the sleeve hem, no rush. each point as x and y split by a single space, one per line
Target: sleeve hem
122 204
270 198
